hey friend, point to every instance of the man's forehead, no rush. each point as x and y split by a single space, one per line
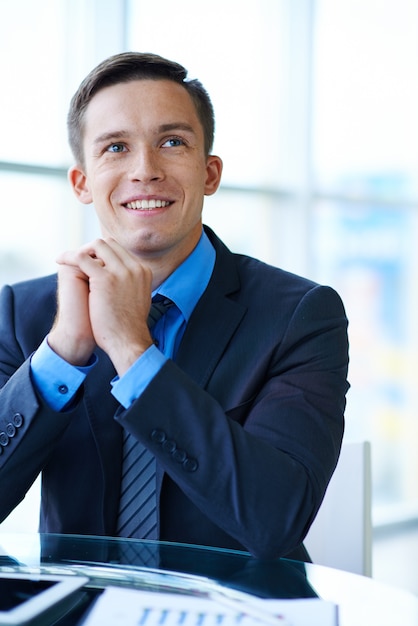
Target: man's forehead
166 104
142 88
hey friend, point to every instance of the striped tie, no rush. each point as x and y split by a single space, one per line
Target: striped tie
138 504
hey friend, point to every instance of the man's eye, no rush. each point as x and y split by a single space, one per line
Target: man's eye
116 147
173 142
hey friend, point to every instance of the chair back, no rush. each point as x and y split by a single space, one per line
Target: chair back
341 534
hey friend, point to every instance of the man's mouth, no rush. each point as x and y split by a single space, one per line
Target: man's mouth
147 205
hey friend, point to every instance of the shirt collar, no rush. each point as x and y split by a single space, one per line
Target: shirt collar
187 283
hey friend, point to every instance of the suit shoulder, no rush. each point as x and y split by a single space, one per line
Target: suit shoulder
255 270
35 288
269 284
27 308
236 270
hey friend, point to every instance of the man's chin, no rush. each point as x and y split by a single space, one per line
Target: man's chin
145 244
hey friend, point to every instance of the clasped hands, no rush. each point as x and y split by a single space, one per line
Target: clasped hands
104 296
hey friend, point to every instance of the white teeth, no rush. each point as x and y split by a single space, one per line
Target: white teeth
146 205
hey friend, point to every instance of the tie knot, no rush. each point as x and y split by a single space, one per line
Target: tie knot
159 307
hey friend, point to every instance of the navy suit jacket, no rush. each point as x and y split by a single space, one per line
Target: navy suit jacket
246 425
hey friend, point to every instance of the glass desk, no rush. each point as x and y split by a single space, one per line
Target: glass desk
184 568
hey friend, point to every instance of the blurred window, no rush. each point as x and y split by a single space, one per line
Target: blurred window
365 159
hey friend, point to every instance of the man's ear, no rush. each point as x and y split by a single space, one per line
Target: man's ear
213 174
78 181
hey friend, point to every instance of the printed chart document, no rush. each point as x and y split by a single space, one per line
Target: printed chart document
118 606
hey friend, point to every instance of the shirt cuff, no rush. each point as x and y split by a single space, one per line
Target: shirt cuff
136 379
56 380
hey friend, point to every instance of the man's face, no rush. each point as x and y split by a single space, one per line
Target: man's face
145 168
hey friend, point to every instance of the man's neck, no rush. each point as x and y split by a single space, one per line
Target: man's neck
163 266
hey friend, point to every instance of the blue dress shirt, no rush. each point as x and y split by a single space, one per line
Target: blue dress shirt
57 381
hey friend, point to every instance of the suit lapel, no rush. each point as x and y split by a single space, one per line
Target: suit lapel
214 320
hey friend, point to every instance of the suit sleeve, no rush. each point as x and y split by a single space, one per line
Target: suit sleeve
28 428
256 459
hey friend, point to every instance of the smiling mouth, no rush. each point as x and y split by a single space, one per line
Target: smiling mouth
147 205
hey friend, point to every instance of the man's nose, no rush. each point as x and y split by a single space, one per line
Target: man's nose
146 165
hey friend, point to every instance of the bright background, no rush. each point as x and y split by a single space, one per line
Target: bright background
317 123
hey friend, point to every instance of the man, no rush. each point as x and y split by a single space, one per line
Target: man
239 406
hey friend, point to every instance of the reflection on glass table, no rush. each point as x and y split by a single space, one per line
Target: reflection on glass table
196 570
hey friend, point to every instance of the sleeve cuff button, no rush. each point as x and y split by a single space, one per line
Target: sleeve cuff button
18 420
190 465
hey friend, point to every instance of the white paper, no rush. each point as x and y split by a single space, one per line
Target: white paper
118 606
303 612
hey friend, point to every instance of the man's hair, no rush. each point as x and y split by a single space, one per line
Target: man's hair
126 67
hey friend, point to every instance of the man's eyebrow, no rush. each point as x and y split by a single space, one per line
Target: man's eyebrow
111 136
164 128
